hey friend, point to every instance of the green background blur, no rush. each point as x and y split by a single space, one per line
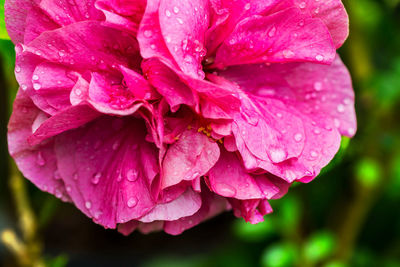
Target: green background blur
348 216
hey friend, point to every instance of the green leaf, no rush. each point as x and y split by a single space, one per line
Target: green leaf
254 232
59 261
280 255
320 246
368 172
3 31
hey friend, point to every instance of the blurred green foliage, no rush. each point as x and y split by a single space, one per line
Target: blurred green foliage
348 216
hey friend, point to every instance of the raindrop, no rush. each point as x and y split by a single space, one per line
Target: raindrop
132 202
314 154
272 32
176 9
340 108
96 178
132 175
317 131
318 86
298 137
288 53
37 86
147 33
319 57
302 5
277 155
40 160
88 205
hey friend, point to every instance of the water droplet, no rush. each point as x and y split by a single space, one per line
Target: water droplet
68 188
302 5
288 53
58 193
272 32
318 86
167 13
176 9
57 175
277 155
225 190
252 120
61 53
180 21
298 137
96 178
314 154
132 175
317 131
319 57
347 101
132 202
115 146
35 77
78 92
24 87
147 33
340 108
97 214
37 86
17 69
40 159
88 205
247 6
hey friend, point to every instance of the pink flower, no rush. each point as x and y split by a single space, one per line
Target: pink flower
161 114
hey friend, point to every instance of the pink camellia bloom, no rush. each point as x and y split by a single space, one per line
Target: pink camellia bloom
161 114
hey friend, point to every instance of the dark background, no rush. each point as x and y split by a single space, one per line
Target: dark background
348 216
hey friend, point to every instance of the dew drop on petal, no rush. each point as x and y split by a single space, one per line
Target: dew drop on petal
132 175
88 205
340 108
96 178
319 57
298 137
132 202
40 159
277 155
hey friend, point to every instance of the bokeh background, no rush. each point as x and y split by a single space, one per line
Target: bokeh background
348 216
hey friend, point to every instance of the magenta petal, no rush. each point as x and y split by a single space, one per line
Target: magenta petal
15 18
86 45
65 12
331 12
185 205
109 169
168 84
65 120
228 178
189 158
37 163
150 38
110 97
285 36
183 25
211 205
125 14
